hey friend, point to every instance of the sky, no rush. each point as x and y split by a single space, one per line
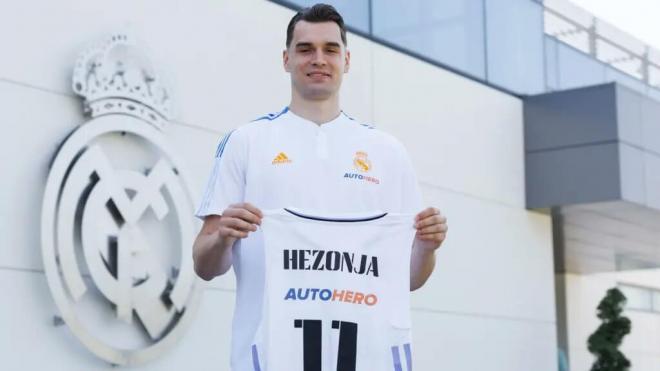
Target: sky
640 18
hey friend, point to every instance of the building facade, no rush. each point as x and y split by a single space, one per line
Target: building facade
467 85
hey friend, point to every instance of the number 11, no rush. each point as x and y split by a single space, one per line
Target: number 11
312 335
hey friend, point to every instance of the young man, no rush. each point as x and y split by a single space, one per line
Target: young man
309 156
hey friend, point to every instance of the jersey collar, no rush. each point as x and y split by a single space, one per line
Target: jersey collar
337 121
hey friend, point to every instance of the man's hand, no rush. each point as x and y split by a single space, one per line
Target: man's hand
237 221
431 232
431 229
212 248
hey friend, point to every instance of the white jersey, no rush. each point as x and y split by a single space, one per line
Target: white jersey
337 293
283 160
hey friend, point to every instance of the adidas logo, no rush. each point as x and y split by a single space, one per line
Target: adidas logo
281 158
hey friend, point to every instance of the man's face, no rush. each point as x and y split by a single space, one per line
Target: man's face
316 59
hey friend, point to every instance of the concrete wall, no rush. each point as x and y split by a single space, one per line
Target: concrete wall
489 305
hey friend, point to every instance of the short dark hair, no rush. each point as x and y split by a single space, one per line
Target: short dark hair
316 14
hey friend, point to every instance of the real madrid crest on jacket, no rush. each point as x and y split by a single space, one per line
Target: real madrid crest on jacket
116 214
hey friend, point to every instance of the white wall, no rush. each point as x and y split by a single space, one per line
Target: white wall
492 293
488 306
584 292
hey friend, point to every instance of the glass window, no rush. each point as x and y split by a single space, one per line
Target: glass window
551 63
514 31
656 301
448 31
577 69
638 298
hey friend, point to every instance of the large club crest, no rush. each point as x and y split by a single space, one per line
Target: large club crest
117 225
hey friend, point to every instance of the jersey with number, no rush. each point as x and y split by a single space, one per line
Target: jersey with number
285 160
336 293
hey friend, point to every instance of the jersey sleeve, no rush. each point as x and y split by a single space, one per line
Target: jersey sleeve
226 183
411 197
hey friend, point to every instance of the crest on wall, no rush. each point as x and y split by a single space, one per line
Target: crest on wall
117 215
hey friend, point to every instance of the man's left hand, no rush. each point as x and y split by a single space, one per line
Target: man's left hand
431 229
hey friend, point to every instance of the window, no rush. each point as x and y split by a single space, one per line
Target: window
640 298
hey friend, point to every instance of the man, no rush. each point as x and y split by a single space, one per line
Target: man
310 156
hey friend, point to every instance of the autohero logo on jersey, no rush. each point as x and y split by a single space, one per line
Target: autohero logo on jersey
362 164
333 261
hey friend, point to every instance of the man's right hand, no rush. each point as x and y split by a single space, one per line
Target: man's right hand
212 248
237 221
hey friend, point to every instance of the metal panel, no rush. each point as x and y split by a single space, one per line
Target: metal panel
651 125
570 118
573 175
632 174
629 115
